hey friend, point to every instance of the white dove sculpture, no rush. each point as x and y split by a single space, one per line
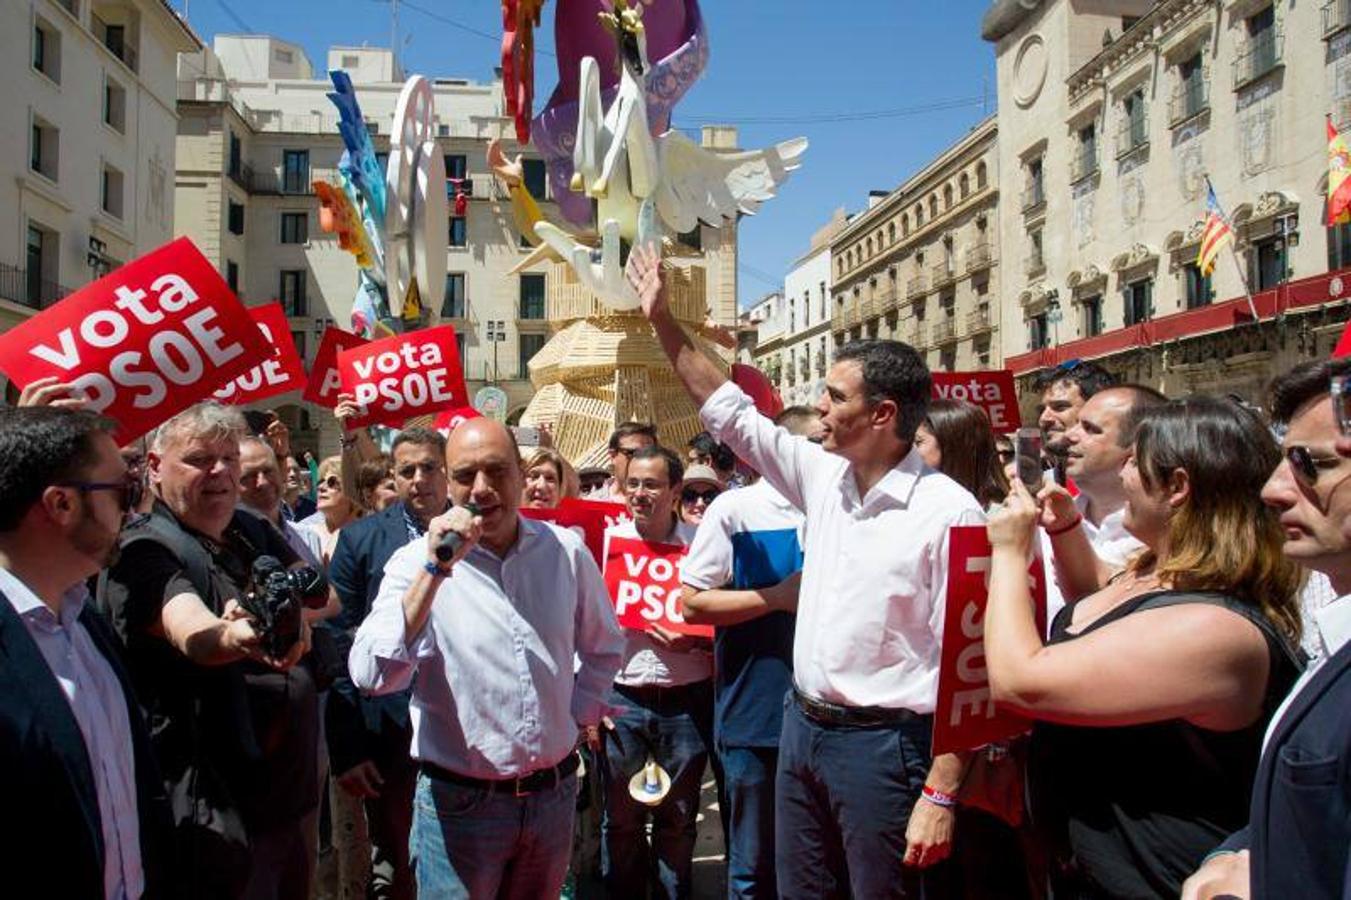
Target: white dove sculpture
641 183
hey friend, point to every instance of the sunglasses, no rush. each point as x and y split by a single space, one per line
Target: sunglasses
332 482
1306 466
1006 455
129 488
691 495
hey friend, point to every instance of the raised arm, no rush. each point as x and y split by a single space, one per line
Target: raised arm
700 375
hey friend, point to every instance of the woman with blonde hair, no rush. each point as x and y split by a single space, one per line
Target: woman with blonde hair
1153 693
335 507
548 479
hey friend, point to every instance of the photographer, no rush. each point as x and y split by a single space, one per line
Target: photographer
235 721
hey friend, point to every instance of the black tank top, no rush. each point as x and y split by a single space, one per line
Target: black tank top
1129 812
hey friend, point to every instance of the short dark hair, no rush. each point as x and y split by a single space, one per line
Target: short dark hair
722 456
421 437
893 371
629 429
1143 400
797 419
1304 383
1087 376
39 446
675 469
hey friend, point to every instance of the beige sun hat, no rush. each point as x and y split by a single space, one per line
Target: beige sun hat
650 784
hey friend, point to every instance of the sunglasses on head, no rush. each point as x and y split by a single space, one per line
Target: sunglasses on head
692 495
129 489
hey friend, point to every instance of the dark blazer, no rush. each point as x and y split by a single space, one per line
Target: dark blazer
1299 825
362 728
51 836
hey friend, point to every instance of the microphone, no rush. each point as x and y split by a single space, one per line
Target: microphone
451 541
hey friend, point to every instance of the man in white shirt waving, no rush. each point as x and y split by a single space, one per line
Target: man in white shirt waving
861 808
492 635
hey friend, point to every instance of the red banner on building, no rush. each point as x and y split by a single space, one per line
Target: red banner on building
325 384
285 371
406 375
142 343
966 716
991 391
644 583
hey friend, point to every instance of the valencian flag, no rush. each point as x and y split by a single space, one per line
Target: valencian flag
1339 177
1217 233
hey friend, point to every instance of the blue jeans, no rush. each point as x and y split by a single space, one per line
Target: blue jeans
843 800
749 788
469 843
674 725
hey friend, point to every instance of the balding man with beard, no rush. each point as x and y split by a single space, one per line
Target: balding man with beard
492 636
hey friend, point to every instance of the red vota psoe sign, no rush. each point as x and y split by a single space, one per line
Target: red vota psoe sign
406 375
644 583
991 391
325 384
142 343
285 371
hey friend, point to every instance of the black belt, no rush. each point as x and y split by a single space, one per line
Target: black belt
827 713
533 783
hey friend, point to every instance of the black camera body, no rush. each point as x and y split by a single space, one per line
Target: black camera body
277 599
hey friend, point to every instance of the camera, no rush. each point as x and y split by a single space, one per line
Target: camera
276 599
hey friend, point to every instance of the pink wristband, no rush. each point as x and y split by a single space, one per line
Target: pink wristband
939 798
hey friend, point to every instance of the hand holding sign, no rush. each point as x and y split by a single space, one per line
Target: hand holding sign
403 376
144 342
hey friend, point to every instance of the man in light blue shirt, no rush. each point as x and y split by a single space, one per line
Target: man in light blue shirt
81 791
492 635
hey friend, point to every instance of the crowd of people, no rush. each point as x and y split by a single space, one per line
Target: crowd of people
227 671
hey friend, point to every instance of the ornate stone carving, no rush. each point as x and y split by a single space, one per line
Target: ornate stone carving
1029 70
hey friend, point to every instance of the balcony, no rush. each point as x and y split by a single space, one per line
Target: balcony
945 331
1034 196
1085 163
913 333
1261 56
1190 98
274 181
1133 133
117 36
869 309
820 360
1034 264
885 295
978 257
35 292
837 320
1336 17
916 287
943 274
978 321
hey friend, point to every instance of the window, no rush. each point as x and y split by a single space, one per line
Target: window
283 56
456 165
1339 246
1269 256
1263 49
350 62
1199 290
1137 300
536 181
111 193
292 292
1036 261
530 344
236 218
442 130
1086 155
44 147
1038 332
457 231
933 206
964 186
298 338
295 227
532 297
947 197
372 127
232 276
1134 131
236 161
824 301
40 287
295 167
47 49
891 233
1092 313
1191 89
1034 195
453 305
115 106
981 176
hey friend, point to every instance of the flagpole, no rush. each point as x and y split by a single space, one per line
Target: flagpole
1233 253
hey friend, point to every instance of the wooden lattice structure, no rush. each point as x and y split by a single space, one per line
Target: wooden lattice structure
602 368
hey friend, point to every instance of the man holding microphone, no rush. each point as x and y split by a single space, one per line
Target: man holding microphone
492 634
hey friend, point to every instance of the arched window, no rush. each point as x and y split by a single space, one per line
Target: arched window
905 225
869 245
933 206
947 197
919 214
891 233
964 186
980 176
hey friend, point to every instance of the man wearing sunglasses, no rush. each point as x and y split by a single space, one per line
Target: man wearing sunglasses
1298 839
87 814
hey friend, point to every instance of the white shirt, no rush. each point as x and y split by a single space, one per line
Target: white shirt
1330 628
1110 540
647 663
100 709
755 508
495 695
874 582
1317 593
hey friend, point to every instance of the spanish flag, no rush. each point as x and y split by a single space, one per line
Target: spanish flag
1339 178
1217 233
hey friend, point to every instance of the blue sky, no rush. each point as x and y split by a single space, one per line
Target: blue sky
878 88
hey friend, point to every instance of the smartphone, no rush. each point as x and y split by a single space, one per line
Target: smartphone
526 435
1341 402
1027 447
